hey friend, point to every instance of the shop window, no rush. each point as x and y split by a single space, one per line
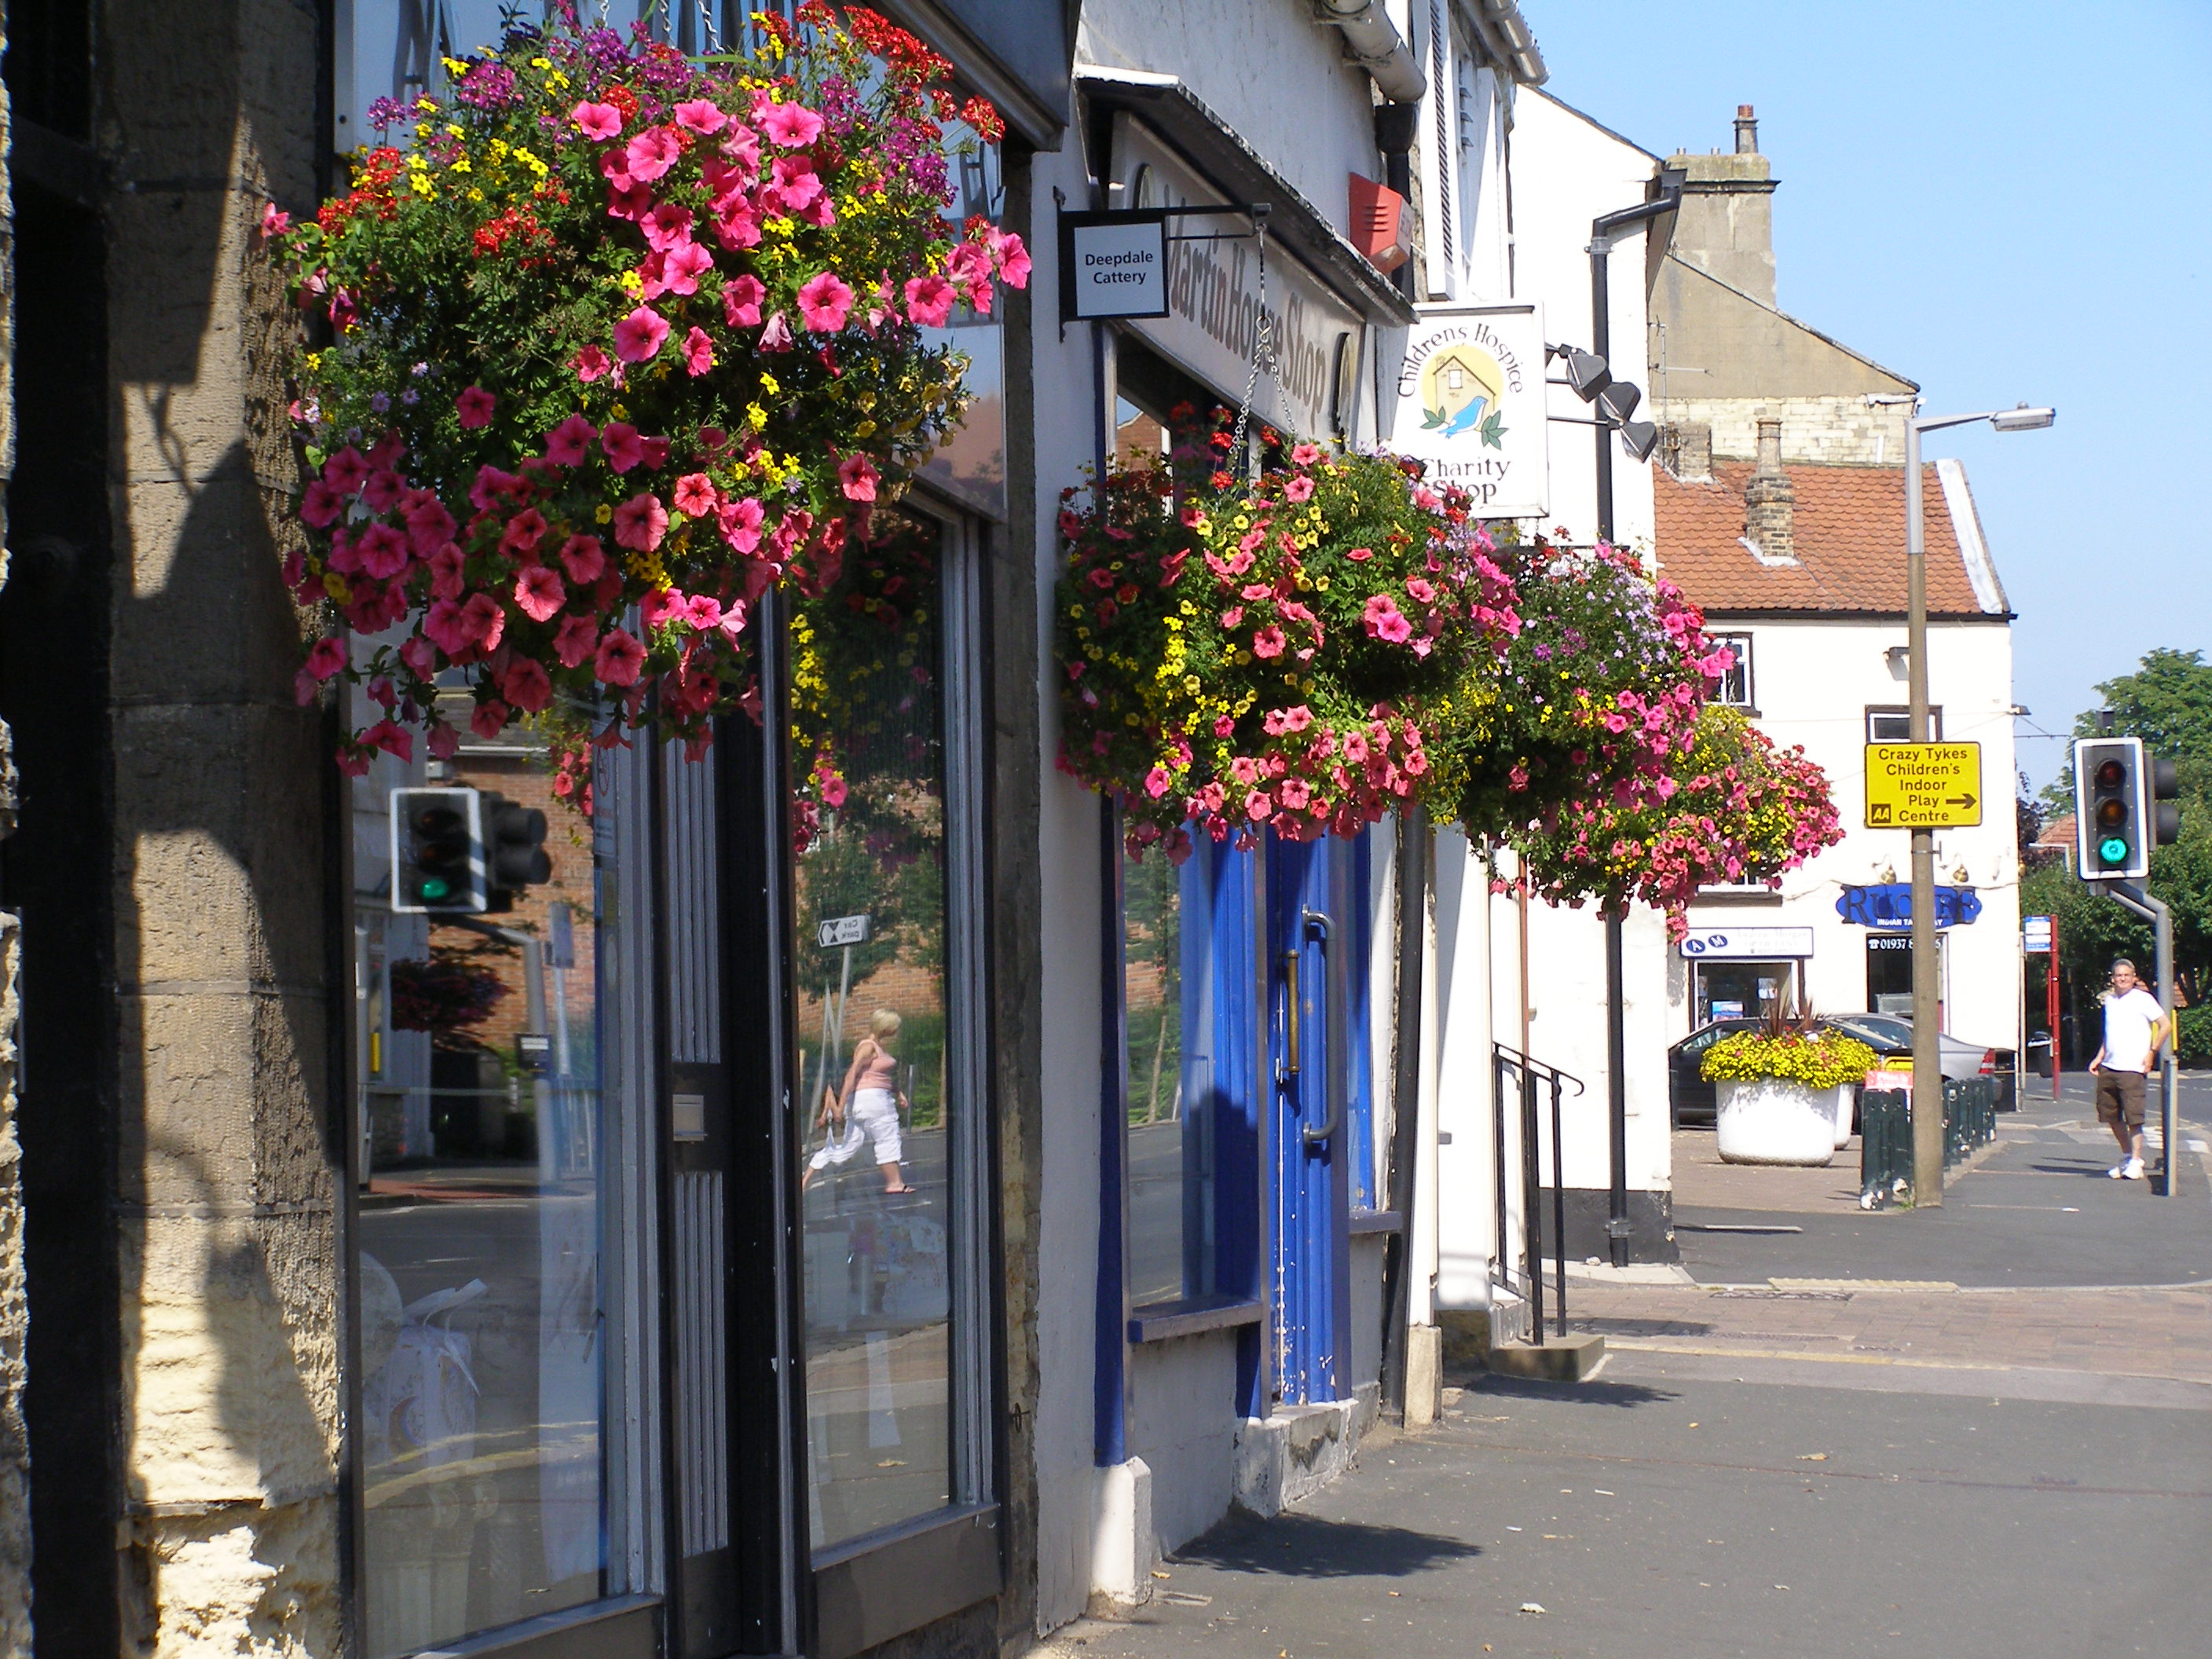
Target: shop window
492 1228
1170 1155
892 1199
1744 990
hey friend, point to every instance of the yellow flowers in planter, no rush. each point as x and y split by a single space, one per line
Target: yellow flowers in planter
1818 1059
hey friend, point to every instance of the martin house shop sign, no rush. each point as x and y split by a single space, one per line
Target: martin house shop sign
1470 402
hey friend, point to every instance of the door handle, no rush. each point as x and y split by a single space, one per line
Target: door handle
1320 930
1290 1022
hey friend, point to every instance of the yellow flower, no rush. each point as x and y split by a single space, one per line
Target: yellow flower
770 385
334 585
475 195
461 164
541 62
422 185
603 513
757 417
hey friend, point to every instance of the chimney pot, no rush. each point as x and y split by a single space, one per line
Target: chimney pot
1769 504
1689 450
1747 130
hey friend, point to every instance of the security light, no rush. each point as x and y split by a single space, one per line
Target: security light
1620 399
1639 438
1587 373
2023 419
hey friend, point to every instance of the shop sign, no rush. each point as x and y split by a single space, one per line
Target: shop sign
1924 786
1470 402
1889 904
1212 327
1113 264
1742 943
2035 934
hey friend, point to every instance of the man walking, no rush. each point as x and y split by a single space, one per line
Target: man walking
2133 1027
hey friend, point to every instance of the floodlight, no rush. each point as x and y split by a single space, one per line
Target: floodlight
1639 438
1620 399
1587 373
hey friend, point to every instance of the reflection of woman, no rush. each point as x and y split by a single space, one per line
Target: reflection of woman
868 1106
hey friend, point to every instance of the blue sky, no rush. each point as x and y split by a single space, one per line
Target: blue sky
2003 201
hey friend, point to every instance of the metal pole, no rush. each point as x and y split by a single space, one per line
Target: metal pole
2053 1000
1616 1087
1927 1050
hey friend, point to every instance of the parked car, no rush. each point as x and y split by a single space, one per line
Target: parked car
1690 1099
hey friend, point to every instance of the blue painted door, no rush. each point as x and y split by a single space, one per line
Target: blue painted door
1314 908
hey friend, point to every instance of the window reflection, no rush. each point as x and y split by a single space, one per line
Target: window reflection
1163 1231
869 826
478 1269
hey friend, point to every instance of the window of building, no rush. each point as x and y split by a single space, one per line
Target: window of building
1735 688
1894 724
1743 990
1169 1161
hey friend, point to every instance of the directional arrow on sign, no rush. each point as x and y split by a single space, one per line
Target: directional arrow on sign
1967 801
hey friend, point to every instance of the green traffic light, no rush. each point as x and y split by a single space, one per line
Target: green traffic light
436 889
2112 850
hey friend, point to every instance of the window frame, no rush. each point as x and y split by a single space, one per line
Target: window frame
1745 665
1904 711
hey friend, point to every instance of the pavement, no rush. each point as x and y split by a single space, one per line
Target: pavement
1981 1430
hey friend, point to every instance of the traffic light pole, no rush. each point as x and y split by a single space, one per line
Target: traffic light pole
2160 915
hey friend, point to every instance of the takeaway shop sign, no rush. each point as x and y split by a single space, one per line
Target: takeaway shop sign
1888 906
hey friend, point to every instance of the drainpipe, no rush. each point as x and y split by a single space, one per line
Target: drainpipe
1372 41
1603 229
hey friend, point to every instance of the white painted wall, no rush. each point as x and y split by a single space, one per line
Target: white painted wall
1812 681
1267 70
1456 1077
1565 170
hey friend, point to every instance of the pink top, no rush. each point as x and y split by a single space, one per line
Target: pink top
878 1070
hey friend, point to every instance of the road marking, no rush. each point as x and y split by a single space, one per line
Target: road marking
1904 1285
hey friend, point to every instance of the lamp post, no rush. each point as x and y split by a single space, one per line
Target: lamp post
1927 1047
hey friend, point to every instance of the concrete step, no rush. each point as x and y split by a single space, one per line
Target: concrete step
1555 1360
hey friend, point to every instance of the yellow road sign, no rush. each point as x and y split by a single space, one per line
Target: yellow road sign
1924 786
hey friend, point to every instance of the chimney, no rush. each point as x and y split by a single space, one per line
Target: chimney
1769 503
1689 450
1747 130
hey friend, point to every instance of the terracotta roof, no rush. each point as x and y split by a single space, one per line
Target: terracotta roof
1849 530
2059 832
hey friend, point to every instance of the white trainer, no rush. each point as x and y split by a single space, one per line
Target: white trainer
2132 1170
2117 1171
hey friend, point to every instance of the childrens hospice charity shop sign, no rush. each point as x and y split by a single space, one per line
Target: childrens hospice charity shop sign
1470 402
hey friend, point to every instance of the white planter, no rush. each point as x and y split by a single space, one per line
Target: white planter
1844 1094
1769 1120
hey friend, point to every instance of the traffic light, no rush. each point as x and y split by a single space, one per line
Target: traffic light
515 849
437 852
2111 809
2165 801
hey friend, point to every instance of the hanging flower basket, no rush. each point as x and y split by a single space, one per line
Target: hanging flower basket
620 338
1292 652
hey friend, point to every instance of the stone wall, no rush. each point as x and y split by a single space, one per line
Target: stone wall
1838 431
225 1173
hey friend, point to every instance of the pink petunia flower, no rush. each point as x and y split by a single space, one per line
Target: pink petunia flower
322 505
794 126
382 491
488 720
475 407
777 336
382 552
523 531
568 444
446 567
526 684
325 657
641 522
620 441
618 659
346 472
629 200
741 301
1268 641
1298 489
578 637
738 227
654 451
592 363
583 559
274 221
682 266
696 497
741 524
640 336
698 352
651 153
703 611
700 116
599 121
1304 454
483 620
824 302
666 226
539 594
856 477
444 742
929 301
664 605
1013 258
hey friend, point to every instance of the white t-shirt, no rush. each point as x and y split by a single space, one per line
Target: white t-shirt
2127 1030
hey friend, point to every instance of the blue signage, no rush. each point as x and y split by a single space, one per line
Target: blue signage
1889 904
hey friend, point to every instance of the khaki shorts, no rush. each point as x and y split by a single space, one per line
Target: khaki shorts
2120 1098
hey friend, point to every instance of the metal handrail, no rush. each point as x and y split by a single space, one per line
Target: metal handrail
1532 1072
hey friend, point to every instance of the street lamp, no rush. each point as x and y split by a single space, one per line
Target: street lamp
1927 1049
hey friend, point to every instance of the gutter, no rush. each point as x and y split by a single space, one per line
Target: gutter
1371 41
1506 35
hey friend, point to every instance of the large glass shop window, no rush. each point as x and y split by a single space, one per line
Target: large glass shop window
885 1116
486 1217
